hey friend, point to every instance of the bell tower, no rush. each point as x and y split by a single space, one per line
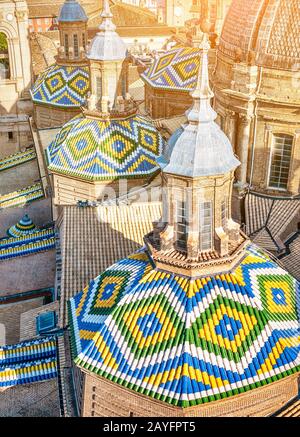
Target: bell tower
108 69
72 33
197 234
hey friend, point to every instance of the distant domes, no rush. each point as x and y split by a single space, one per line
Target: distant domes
71 10
266 30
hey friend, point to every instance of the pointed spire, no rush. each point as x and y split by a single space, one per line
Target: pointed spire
107 24
202 111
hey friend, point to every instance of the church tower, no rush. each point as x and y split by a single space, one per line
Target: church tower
197 226
72 32
108 68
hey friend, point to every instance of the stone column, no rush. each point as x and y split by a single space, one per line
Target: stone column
230 127
24 48
243 140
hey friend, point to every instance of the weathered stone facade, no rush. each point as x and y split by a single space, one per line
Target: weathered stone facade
258 95
15 77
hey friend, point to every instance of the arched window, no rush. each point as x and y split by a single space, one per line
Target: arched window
181 224
206 217
280 161
66 44
4 58
76 46
224 212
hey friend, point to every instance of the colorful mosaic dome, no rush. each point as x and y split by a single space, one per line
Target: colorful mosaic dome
94 149
175 70
64 86
188 342
23 227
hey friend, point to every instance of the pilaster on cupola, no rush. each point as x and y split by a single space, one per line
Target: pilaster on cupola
197 234
108 60
72 23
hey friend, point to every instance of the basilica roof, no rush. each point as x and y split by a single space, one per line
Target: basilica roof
177 69
188 341
96 149
270 29
62 86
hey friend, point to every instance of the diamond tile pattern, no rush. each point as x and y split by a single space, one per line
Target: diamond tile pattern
188 342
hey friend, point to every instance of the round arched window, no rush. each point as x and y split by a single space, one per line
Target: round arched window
4 57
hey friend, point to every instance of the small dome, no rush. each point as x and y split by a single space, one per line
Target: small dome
167 152
270 30
70 11
95 149
24 227
201 152
107 44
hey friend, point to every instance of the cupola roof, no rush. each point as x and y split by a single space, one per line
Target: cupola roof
107 45
202 149
71 11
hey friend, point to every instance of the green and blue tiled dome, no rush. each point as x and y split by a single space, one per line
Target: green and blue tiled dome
188 341
177 69
62 86
95 149
24 227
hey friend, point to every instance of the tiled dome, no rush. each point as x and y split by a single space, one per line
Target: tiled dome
269 28
94 149
70 11
188 341
175 70
62 86
23 227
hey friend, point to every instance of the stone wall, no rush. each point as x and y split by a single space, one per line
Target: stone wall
30 400
10 316
103 398
49 117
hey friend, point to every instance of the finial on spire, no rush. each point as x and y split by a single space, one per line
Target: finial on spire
202 110
106 15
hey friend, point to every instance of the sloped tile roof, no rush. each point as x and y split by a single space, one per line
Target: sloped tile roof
28 244
28 362
22 196
17 159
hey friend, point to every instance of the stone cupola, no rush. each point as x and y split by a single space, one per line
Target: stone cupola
197 233
108 59
72 22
